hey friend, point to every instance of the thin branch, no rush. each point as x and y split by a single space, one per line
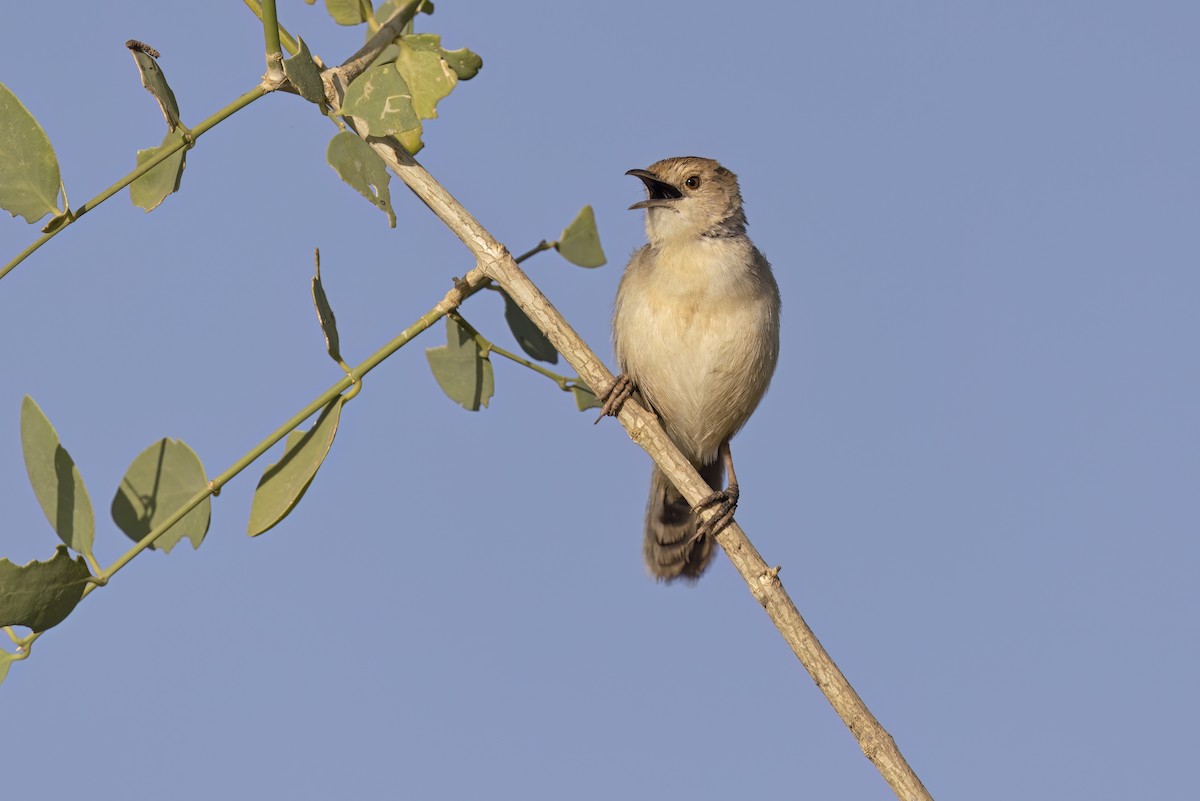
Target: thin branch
163 154
468 285
352 67
644 429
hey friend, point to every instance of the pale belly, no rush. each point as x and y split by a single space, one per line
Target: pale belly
702 361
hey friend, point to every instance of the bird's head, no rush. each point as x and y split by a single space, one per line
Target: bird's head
689 197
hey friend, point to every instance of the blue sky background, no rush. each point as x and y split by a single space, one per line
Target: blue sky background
979 463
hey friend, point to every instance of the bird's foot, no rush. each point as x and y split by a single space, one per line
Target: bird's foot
723 503
615 396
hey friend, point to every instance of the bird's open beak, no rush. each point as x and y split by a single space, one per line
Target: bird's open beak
661 193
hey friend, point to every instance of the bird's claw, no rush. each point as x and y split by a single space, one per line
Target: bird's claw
615 396
723 503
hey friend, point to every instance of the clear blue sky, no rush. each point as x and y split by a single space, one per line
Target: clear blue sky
979 464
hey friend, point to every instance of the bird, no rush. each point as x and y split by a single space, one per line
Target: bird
696 334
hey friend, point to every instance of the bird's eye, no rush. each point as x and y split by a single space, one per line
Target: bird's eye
693 182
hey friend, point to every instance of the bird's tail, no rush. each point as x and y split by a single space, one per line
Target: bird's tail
671 549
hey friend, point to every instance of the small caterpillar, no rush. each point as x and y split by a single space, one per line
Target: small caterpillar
134 44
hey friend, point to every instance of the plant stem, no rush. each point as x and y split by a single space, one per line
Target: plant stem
286 39
270 23
464 288
543 245
488 347
139 171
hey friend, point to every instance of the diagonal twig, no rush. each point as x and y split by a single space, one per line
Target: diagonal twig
643 427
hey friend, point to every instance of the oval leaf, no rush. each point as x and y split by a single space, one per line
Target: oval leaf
158 483
56 480
360 166
284 483
529 336
152 188
40 595
29 176
460 369
580 242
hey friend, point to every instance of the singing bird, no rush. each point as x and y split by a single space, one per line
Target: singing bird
696 333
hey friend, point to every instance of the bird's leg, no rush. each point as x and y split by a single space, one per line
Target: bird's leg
723 502
615 396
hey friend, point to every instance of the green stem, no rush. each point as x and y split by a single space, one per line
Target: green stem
270 23
353 379
288 41
142 169
543 245
489 347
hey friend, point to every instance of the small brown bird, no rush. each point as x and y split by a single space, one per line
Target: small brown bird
696 332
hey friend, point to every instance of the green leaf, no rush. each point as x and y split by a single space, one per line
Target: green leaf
151 189
160 481
305 75
360 166
584 398
284 483
580 241
345 12
29 176
40 595
528 335
411 140
466 65
6 660
382 100
460 368
56 480
428 42
325 315
427 75
463 62
156 83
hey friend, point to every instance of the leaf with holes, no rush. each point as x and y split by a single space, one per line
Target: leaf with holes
157 484
360 166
